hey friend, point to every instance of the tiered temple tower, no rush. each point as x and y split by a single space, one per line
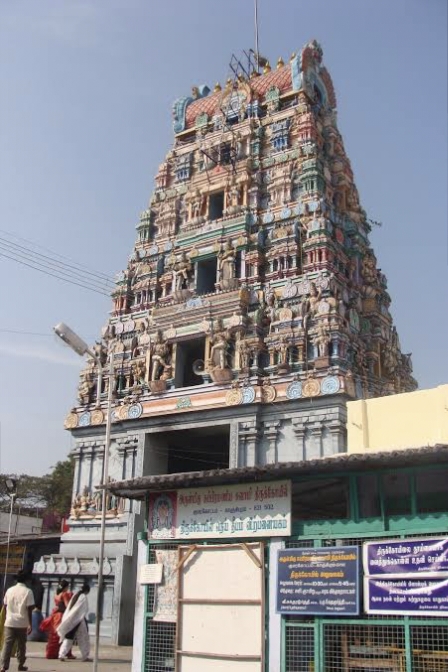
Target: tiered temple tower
251 307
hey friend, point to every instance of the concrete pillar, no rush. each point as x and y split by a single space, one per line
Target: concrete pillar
275 619
139 614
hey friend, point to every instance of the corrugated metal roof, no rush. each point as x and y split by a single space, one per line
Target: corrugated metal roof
138 488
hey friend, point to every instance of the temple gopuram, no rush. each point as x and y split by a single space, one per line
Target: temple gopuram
250 310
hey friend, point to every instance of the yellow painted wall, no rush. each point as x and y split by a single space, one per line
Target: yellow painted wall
410 420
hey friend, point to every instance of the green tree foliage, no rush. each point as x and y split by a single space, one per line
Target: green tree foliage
51 493
58 485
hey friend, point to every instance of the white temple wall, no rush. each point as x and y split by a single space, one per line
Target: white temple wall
257 435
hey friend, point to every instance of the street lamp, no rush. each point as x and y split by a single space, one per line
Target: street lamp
11 487
81 348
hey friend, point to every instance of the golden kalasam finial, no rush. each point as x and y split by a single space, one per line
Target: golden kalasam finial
229 82
217 88
293 55
280 63
267 68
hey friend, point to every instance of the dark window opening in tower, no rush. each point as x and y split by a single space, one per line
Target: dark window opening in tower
199 449
226 153
120 383
238 265
206 276
232 119
195 449
263 360
216 205
189 359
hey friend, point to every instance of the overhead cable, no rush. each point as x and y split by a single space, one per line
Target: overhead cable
54 264
55 275
54 254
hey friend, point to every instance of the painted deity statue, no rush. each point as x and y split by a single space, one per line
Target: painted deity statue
233 198
322 339
220 344
282 348
181 272
245 352
197 203
227 259
85 388
160 358
314 298
138 370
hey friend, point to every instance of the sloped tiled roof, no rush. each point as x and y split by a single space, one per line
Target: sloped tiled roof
209 105
138 488
280 78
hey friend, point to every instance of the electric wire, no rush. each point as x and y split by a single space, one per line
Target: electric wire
77 268
55 254
27 333
53 264
75 280
54 275
37 265
31 333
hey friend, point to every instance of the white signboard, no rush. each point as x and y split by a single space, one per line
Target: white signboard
151 573
234 511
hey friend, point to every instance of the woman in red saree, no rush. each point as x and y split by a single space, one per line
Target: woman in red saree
50 624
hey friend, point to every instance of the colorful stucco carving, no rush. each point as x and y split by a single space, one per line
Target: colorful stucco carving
252 271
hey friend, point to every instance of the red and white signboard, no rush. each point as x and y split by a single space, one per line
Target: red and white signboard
234 511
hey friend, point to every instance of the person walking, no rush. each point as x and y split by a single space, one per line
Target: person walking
19 604
74 624
50 624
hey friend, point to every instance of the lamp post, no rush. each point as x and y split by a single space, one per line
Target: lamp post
11 487
81 348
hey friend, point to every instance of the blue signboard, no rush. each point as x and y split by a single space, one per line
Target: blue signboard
407 577
427 556
406 596
318 581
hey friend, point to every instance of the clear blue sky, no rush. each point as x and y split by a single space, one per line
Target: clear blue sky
86 88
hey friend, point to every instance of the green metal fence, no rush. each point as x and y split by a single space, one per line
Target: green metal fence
365 643
159 637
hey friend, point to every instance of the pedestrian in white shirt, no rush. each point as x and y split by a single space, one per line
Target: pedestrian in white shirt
19 603
73 625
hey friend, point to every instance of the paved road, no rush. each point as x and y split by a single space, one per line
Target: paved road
112 659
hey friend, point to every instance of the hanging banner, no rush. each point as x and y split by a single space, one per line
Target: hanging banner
406 557
318 581
234 511
406 596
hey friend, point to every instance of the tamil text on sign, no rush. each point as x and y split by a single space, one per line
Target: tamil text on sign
407 556
406 596
246 510
408 577
317 581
